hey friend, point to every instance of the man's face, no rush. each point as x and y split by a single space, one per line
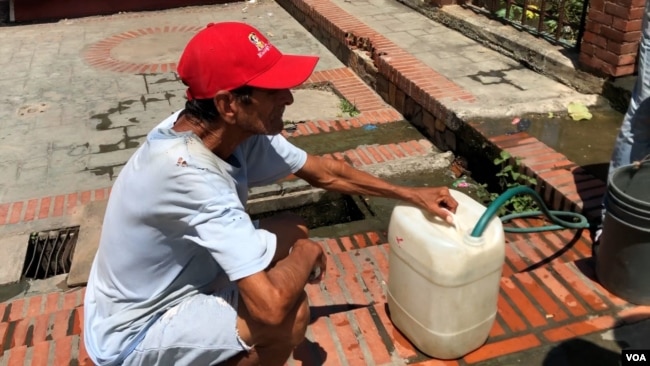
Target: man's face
263 116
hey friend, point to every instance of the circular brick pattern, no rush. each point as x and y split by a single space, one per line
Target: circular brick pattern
142 51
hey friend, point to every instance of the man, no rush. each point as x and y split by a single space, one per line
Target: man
182 275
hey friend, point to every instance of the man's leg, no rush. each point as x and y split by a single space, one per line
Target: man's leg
288 228
273 345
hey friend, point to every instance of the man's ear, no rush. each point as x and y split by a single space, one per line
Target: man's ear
226 105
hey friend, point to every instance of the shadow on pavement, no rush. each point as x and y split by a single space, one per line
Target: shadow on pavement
602 349
579 352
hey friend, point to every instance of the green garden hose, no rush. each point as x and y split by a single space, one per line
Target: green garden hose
493 208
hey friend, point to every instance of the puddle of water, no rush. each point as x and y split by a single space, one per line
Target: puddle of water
588 143
324 143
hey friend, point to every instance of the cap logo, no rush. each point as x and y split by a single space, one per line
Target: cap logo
262 47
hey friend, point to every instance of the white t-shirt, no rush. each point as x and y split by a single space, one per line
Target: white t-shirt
175 222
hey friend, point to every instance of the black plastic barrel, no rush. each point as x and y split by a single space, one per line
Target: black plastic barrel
623 259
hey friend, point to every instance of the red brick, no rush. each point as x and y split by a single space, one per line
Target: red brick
541 296
59 202
17 310
17 356
371 336
347 243
353 158
333 246
60 324
579 328
529 150
497 330
578 284
524 305
560 292
360 240
44 210
547 249
364 157
380 259
71 299
349 341
3 334
72 203
312 127
501 348
323 337
30 212
34 306
302 129
375 153
417 147
385 153
629 315
63 350
509 316
514 258
77 324
324 126
4 212
52 302
16 212
504 141
20 332
369 277
588 271
374 238
396 151
407 148
40 353
402 345
41 325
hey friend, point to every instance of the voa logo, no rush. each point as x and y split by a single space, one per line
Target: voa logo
635 357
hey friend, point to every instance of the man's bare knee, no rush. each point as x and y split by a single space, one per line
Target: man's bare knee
301 321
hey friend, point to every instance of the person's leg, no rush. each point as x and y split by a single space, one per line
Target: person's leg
272 345
288 228
633 140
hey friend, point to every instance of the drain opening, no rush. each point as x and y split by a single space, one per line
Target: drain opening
49 253
326 212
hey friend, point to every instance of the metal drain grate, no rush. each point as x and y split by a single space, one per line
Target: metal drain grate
49 253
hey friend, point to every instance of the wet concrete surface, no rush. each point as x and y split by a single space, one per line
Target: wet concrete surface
393 132
588 143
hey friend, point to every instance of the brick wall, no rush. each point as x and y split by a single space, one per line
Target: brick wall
611 39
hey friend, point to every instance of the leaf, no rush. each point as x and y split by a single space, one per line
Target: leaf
505 155
515 175
578 111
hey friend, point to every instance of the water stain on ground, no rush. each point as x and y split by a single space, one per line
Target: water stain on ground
588 143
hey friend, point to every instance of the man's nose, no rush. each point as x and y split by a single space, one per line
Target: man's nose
286 97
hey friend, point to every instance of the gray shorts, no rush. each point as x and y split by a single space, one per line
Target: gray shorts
201 330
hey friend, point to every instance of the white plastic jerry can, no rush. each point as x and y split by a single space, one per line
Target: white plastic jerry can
443 284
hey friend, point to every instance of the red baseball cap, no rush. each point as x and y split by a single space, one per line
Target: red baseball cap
229 55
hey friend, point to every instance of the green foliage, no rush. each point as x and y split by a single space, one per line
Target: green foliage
553 13
349 108
510 177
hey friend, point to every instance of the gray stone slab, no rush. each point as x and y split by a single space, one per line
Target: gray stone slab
14 250
91 217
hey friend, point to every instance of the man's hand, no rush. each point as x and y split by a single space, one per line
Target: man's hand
318 269
436 200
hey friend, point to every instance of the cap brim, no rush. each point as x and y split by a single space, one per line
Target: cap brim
289 72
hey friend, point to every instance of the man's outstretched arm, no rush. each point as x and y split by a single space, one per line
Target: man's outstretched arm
337 176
